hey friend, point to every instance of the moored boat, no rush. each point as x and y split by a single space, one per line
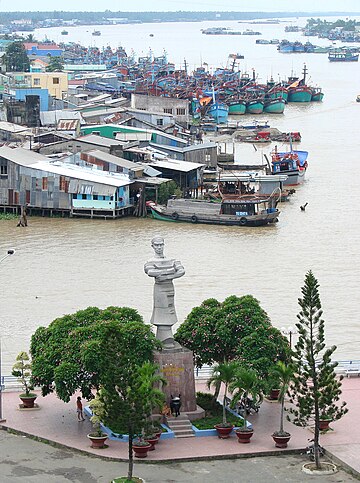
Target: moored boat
343 56
249 210
255 106
299 93
274 106
237 107
218 111
317 94
292 163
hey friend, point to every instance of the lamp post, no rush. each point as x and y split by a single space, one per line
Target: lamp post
9 252
290 331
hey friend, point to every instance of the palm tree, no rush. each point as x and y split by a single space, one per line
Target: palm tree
245 383
284 374
223 373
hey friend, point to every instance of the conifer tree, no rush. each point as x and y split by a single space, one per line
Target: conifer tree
315 390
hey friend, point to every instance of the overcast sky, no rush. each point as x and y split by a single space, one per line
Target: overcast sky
188 5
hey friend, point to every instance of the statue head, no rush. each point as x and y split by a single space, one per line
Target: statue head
158 245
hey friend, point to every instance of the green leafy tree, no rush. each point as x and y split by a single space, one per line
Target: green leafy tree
126 400
56 64
315 390
223 374
166 191
22 370
72 353
236 329
16 59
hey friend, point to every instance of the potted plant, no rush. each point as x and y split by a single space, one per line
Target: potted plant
273 385
285 374
22 370
97 437
245 385
141 447
223 373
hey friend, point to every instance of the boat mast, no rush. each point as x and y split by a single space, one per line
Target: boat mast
305 71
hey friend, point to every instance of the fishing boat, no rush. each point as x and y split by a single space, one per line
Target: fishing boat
237 107
274 106
64 32
343 56
96 33
218 111
255 106
317 94
292 163
249 210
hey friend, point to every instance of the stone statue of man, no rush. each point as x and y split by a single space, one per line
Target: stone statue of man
164 270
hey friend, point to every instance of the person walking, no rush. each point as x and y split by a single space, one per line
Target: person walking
79 409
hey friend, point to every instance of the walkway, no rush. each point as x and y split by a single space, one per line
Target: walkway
57 422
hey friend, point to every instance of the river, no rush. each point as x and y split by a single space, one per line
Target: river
63 265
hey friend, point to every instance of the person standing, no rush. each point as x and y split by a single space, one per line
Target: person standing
79 409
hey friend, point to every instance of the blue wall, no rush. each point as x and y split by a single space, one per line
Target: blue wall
20 95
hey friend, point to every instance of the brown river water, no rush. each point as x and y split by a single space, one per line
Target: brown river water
63 265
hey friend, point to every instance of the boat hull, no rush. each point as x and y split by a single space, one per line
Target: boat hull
255 107
219 112
228 220
274 106
299 95
237 109
318 97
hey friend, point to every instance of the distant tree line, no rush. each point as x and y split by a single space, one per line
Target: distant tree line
96 17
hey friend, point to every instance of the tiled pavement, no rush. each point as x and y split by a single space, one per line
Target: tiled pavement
57 422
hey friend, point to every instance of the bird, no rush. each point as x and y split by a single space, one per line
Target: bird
302 208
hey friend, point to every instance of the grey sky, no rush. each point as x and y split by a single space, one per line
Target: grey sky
188 5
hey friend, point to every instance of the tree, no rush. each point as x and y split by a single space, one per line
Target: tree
223 373
16 58
129 398
56 64
166 191
315 390
72 353
236 329
246 383
284 374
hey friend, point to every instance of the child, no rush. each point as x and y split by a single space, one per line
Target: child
79 409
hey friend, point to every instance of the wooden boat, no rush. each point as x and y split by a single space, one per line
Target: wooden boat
343 56
249 210
96 33
274 106
292 163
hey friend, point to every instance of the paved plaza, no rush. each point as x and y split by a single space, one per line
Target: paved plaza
56 422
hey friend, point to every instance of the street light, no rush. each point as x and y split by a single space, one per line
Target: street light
290 331
11 251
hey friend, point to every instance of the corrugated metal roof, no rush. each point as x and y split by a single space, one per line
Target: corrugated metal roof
79 172
11 127
110 158
51 117
100 140
175 165
68 124
21 156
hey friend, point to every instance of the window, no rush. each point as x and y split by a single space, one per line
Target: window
207 158
36 81
62 183
160 122
44 183
180 111
56 80
3 167
168 110
95 197
86 189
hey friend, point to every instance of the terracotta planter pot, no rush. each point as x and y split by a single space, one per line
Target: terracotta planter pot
223 432
97 442
274 394
158 434
324 424
281 441
153 442
141 451
244 436
28 401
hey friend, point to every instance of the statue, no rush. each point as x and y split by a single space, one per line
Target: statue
164 270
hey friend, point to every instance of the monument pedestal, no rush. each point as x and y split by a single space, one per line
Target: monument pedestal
177 367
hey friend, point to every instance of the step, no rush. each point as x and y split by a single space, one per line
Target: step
181 427
183 433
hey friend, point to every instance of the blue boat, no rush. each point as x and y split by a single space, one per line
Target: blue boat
343 56
292 163
218 111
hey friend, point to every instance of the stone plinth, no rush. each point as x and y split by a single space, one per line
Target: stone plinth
177 367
